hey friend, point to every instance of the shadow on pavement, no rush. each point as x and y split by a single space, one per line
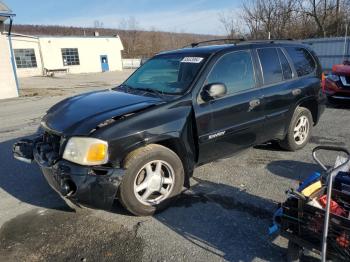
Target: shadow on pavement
293 169
338 104
25 182
225 221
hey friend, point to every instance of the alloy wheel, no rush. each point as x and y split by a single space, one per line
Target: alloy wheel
154 182
301 130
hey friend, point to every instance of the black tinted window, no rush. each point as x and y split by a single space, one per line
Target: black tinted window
302 59
235 70
271 67
287 71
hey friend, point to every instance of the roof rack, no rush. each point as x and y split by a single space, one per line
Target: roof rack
269 40
233 40
237 40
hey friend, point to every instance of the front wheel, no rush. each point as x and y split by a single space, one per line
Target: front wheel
299 131
154 176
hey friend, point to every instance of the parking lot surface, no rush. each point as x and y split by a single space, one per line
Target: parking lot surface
224 217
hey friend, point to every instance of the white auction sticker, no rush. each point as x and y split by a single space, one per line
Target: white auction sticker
194 60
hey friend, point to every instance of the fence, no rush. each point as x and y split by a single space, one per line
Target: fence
131 63
330 51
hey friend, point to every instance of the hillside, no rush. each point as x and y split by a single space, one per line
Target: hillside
137 43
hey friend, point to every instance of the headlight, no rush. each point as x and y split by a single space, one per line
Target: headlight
86 151
333 77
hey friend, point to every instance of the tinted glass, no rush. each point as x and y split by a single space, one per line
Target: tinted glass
287 71
170 74
302 59
25 58
271 67
235 70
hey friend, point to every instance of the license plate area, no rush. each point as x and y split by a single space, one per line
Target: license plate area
23 150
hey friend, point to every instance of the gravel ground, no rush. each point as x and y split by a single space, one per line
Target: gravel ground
224 217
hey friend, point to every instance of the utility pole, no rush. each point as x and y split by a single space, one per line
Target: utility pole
345 42
337 11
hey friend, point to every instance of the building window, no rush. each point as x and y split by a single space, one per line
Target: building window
25 58
70 56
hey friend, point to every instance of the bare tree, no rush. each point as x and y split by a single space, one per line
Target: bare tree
295 18
131 36
230 24
269 17
98 24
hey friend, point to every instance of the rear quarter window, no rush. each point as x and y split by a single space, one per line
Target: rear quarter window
303 61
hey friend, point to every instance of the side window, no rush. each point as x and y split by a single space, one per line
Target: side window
302 59
271 67
235 70
286 70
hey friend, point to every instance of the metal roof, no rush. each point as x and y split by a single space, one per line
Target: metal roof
5 11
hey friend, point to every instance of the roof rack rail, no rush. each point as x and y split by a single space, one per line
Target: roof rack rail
233 40
269 40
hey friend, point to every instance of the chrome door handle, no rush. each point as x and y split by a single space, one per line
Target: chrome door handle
253 103
296 91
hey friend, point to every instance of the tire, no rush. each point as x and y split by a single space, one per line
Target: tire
291 143
294 252
142 171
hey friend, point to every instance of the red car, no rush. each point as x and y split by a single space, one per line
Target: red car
336 85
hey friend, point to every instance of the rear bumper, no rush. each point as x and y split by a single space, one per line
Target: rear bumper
337 91
92 186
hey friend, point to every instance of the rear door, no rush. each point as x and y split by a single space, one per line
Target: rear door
235 121
278 90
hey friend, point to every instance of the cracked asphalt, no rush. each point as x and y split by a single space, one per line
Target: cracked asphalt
224 217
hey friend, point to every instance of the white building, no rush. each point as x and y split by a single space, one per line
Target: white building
23 55
8 79
48 54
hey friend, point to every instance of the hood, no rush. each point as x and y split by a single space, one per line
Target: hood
80 114
341 69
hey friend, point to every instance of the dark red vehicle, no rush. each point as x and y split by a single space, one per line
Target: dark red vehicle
336 85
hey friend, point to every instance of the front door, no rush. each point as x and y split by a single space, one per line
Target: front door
235 121
104 63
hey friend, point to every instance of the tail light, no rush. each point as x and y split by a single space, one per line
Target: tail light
323 82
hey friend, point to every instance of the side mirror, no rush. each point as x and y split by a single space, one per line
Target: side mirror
213 91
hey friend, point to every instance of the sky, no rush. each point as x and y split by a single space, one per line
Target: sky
190 16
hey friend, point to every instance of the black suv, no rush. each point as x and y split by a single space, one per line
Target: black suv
140 142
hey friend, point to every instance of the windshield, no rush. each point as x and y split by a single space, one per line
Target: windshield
168 74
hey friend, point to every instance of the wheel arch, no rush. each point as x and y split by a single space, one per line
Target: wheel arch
183 148
312 105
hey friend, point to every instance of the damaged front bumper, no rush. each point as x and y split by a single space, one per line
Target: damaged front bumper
94 186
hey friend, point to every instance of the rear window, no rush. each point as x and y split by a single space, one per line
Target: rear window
303 61
271 67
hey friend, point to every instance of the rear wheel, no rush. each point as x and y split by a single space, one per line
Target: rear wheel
154 176
299 130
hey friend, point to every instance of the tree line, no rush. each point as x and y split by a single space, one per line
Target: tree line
137 42
280 19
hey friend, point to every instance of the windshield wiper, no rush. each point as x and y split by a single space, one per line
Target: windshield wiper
146 89
150 90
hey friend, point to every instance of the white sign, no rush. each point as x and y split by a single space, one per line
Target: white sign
193 60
